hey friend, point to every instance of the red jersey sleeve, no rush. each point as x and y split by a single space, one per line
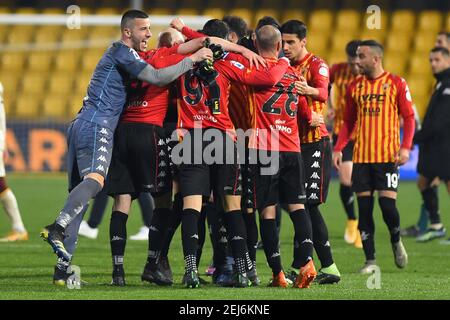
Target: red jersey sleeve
350 118
190 33
406 110
320 79
236 71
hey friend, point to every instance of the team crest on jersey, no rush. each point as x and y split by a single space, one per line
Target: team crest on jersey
237 64
323 70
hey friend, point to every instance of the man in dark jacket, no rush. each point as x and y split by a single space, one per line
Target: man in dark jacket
434 143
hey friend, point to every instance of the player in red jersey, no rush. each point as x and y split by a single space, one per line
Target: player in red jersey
203 110
374 105
280 180
315 142
341 74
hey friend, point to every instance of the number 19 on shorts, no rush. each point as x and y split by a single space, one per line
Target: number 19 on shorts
392 180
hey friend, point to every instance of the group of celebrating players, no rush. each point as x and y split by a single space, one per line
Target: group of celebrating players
220 124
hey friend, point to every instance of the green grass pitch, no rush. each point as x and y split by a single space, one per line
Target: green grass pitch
26 268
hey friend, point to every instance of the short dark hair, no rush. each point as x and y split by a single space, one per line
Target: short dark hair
131 15
373 44
351 47
237 25
442 50
216 28
445 33
268 21
295 27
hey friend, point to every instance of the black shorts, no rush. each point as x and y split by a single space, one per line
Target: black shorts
347 152
286 185
140 161
317 161
434 162
198 175
374 176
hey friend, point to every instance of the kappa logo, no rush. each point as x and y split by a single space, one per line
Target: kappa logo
161 184
327 244
162 164
103 149
222 229
161 153
148 186
314 186
307 241
153 228
315 164
313 196
103 140
162 174
160 142
195 236
102 158
315 176
100 168
316 154
223 240
116 238
364 235
275 254
104 131
235 238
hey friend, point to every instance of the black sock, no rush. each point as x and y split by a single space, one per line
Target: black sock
118 237
147 206
237 238
391 217
252 233
366 226
303 238
218 237
173 224
278 219
431 202
156 233
189 232
269 237
320 237
77 199
201 234
98 208
347 199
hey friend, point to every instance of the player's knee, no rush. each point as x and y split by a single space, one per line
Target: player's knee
232 203
192 202
122 203
295 207
97 177
3 185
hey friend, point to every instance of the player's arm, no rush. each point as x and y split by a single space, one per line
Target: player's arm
406 110
350 118
318 89
237 72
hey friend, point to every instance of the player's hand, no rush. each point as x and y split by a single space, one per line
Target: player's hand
202 54
316 119
177 24
302 87
402 157
254 59
337 159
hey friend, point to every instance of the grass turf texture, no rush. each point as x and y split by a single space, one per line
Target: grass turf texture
26 268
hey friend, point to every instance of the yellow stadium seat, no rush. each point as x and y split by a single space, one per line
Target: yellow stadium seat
187 12
320 20
67 61
244 13
160 11
34 84
375 34
10 81
60 84
48 34
26 10
447 23
103 36
108 11
317 41
12 61
5 9
403 20
336 57
82 82
265 12
9 100
430 21
340 39
27 106
73 35
54 106
75 103
348 20
90 58
424 42
214 13
40 61
293 14
395 63
53 11
419 65
20 34
397 42
420 87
